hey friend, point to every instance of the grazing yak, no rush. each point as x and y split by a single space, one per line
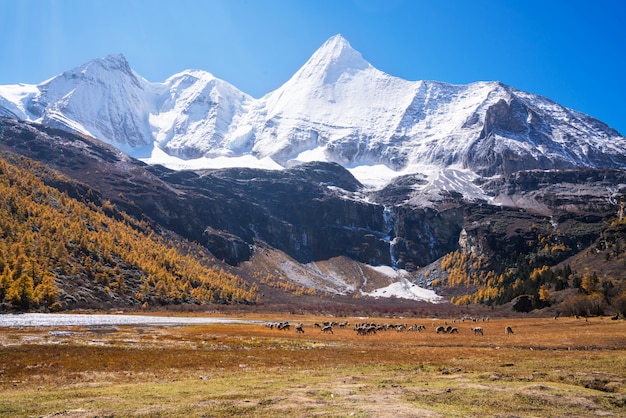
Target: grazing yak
477 330
447 330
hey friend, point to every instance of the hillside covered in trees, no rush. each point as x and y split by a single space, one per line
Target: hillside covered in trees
588 283
64 247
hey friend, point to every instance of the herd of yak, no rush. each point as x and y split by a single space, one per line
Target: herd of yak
369 328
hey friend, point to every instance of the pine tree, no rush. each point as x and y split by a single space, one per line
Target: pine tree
21 293
47 292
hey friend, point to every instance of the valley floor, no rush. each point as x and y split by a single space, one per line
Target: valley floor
547 367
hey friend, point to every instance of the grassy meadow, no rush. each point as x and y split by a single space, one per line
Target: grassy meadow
548 367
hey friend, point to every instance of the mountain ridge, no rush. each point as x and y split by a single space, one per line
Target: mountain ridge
337 107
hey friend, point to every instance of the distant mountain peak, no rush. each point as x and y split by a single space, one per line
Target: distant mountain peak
335 57
336 47
112 62
197 74
112 69
114 59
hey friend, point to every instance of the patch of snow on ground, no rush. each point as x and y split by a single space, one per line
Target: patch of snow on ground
403 289
374 176
309 276
315 154
387 271
158 156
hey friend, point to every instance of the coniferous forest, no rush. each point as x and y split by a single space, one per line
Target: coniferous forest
50 240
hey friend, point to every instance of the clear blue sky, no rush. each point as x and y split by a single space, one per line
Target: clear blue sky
571 51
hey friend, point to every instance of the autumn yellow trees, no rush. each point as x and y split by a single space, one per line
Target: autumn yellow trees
48 239
467 274
468 271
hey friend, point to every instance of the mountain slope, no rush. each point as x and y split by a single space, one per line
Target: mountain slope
313 219
62 252
337 107
314 229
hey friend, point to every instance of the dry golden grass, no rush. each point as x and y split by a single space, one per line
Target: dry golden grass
563 367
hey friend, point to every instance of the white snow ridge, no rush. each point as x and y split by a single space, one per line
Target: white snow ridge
336 107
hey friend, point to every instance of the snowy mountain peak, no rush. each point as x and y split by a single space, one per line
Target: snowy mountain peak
335 57
110 73
193 112
190 76
337 107
104 98
103 70
111 62
338 51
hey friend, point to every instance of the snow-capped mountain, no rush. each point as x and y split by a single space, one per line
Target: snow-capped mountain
336 108
104 98
186 115
194 112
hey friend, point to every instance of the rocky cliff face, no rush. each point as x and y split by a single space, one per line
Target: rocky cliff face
311 212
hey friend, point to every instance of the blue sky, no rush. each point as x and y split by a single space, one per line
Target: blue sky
571 51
